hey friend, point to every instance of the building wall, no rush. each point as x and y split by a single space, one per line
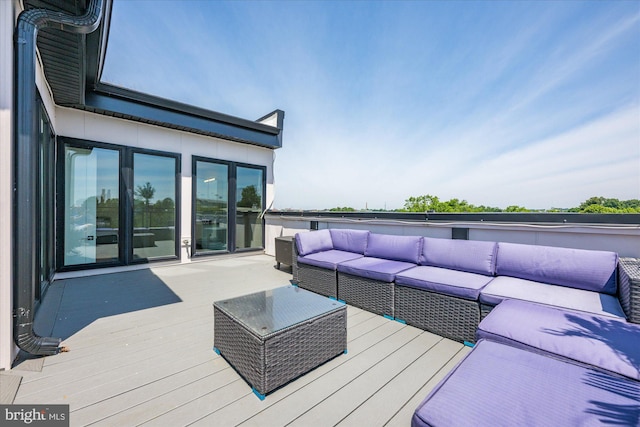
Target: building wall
623 239
8 350
95 127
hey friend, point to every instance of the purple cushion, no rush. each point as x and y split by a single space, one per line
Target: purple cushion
608 343
349 240
398 248
464 255
313 241
328 259
383 270
503 287
499 385
442 280
577 268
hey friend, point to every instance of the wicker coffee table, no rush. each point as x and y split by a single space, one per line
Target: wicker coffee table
275 336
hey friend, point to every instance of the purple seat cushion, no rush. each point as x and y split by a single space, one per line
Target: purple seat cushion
328 259
608 343
384 270
576 268
500 385
464 255
313 241
398 248
503 287
442 280
349 240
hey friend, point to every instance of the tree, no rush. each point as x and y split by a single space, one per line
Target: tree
250 197
147 192
515 208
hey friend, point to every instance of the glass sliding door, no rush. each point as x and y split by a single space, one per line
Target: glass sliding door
91 205
154 206
211 206
249 189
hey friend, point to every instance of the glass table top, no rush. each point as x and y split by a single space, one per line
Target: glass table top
271 311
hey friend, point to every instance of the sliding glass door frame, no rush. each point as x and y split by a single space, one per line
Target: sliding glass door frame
126 194
232 171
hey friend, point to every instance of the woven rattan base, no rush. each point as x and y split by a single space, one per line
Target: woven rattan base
485 309
270 362
319 280
368 294
444 315
629 287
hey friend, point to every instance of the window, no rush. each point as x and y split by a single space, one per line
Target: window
228 200
211 207
154 206
249 207
91 205
118 205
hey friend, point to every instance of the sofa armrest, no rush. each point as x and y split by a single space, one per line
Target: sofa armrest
629 287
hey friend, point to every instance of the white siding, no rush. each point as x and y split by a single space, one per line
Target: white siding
95 127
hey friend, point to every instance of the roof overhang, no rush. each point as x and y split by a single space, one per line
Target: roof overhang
73 64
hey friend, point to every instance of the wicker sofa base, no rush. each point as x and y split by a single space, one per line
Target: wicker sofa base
629 287
319 280
283 356
371 295
444 315
485 309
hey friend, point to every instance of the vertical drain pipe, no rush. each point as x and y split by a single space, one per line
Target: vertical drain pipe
26 165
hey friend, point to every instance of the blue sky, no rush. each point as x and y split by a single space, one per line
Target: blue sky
500 103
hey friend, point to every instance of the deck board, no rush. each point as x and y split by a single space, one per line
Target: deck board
144 356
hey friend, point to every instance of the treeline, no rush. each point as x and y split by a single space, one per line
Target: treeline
604 205
429 203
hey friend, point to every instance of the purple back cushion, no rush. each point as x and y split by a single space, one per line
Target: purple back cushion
464 255
576 268
349 240
313 241
398 248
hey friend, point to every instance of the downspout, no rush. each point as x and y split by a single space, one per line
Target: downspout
26 165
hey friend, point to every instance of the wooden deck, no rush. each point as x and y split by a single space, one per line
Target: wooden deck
141 353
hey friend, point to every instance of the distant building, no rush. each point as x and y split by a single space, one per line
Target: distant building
104 176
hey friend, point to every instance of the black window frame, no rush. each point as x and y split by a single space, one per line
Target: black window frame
130 152
125 194
232 207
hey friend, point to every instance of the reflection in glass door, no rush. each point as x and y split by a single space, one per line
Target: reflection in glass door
91 206
154 206
249 206
211 207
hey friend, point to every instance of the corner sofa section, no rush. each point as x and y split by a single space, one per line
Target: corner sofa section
576 279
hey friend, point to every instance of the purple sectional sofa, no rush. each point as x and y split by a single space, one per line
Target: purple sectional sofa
557 328
447 286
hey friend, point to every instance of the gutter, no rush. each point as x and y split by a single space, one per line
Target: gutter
25 238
